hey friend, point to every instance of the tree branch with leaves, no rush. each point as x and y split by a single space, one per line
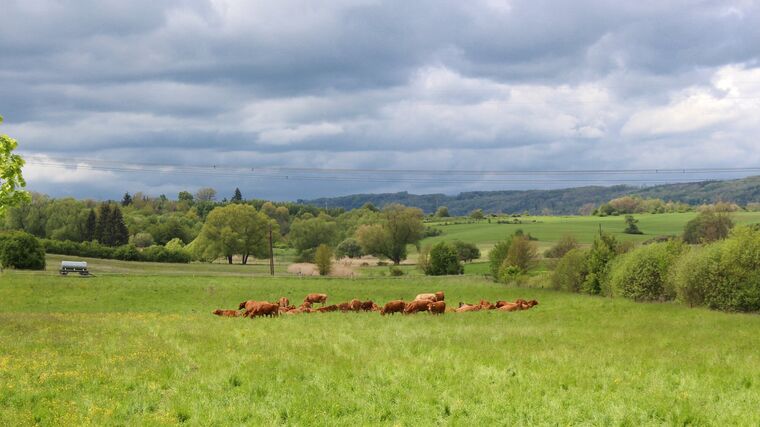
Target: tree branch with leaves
11 180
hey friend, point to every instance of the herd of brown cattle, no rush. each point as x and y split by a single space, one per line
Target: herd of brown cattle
433 303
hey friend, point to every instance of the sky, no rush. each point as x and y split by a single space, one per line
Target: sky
112 96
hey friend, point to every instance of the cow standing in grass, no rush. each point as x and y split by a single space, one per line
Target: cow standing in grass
316 298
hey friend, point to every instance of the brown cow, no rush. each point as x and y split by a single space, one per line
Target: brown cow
265 309
501 303
306 304
327 308
356 305
532 303
369 306
438 307
425 297
439 296
249 306
396 306
418 305
283 302
316 298
344 307
467 307
486 305
510 306
226 313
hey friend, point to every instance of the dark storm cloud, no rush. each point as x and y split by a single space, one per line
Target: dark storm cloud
483 84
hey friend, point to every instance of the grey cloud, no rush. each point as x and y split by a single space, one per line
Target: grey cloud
430 84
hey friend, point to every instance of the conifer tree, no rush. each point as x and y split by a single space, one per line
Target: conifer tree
237 197
119 231
90 226
127 200
102 228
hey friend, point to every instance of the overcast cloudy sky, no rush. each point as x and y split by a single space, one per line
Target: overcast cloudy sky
475 85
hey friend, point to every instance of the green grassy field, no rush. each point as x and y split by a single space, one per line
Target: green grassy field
549 229
144 349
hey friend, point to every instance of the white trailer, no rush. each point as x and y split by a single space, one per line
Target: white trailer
74 267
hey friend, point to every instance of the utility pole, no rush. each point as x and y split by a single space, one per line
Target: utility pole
271 252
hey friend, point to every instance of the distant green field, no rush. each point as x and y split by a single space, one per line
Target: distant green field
145 350
549 229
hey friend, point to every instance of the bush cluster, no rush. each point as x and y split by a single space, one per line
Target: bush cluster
724 275
642 274
22 251
443 260
153 253
571 271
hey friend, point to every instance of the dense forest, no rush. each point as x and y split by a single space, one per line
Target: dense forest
569 201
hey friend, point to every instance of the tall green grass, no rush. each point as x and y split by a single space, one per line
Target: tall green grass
145 350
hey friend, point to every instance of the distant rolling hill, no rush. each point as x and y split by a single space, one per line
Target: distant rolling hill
564 201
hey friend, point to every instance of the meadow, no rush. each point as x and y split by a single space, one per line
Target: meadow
549 229
130 348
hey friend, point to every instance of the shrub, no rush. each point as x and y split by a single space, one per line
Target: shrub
431 232
725 275
497 255
444 260
630 225
349 248
466 251
522 253
323 259
565 244
22 251
127 253
604 249
175 244
141 240
158 253
571 271
642 274
708 226
693 273
395 271
153 253
509 273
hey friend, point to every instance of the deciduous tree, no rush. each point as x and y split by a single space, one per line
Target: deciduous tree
236 229
399 226
11 179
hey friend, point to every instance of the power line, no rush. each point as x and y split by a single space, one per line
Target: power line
316 174
170 168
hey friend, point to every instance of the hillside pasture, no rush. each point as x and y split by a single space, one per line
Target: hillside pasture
137 349
549 229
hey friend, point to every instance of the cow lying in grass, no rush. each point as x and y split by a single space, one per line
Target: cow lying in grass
431 302
327 309
369 306
226 313
463 308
